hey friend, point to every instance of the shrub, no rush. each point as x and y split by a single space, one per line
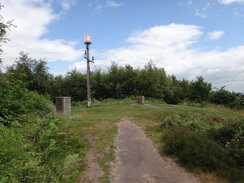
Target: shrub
33 148
177 120
198 151
17 102
12 149
231 137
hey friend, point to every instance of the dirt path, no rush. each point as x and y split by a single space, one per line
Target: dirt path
138 161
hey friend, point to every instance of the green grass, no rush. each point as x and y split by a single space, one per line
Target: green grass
100 122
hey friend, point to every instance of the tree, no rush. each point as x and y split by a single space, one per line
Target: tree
199 90
98 83
174 92
128 85
4 28
75 86
226 98
57 86
184 84
152 82
114 80
32 72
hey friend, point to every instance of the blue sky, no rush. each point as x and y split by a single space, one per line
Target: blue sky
188 38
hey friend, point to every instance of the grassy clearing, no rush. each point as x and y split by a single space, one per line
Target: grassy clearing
100 122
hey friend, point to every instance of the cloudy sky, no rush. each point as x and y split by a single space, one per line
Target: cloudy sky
188 38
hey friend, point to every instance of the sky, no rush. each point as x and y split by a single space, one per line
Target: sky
188 38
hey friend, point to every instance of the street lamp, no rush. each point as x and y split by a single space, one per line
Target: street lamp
87 39
87 42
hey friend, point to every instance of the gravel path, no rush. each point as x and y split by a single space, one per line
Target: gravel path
138 161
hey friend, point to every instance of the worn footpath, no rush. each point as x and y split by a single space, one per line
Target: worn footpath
138 161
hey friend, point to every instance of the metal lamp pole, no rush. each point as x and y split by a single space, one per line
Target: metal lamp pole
87 41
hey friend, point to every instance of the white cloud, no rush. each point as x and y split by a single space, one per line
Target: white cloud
214 35
113 4
169 47
31 18
170 35
202 12
230 1
100 6
66 4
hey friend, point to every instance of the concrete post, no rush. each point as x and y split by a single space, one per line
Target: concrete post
140 100
63 106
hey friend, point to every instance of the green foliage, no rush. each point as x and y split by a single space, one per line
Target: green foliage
32 73
39 153
69 171
152 81
226 98
34 148
231 136
199 90
118 83
115 83
194 150
12 148
198 151
176 91
4 28
189 122
211 144
75 85
225 132
15 162
17 102
98 86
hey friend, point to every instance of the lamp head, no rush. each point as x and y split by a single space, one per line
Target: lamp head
87 38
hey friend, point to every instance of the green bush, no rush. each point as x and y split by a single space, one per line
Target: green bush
187 121
12 148
33 148
16 164
198 151
39 152
16 103
231 137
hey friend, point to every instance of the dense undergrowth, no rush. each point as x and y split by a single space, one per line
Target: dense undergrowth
209 143
34 148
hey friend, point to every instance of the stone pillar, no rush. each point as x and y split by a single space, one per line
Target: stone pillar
140 100
63 106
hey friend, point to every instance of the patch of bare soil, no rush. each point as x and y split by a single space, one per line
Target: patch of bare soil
138 161
93 171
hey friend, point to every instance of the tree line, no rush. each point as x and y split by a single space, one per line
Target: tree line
118 82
